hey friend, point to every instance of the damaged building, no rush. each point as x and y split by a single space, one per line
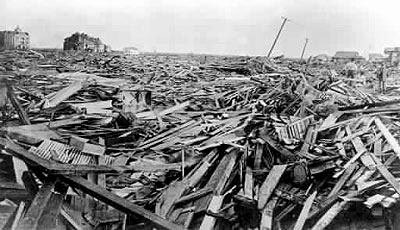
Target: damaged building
84 42
347 56
16 39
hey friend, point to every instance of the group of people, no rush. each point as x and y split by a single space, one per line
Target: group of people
382 74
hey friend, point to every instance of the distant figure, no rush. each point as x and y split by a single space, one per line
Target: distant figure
351 69
382 75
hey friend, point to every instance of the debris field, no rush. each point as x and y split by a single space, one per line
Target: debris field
163 141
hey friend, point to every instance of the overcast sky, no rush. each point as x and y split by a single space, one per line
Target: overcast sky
243 27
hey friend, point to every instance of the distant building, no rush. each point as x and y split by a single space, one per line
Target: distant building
376 58
321 58
107 48
16 39
84 42
393 54
347 56
131 51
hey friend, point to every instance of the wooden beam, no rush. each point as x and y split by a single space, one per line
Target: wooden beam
327 218
18 216
119 203
48 220
70 220
386 174
17 106
63 94
31 219
267 214
269 185
51 166
304 212
388 136
343 179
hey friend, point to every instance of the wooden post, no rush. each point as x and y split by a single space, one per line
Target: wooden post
277 36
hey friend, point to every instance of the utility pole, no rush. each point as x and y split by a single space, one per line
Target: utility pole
304 49
277 36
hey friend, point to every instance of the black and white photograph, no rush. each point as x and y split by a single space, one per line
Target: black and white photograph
199 115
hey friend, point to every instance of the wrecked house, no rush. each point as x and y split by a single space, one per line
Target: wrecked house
376 58
16 39
347 56
84 42
393 54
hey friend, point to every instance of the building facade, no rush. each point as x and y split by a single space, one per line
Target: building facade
131 51
393 54
377 58
84 42
347 56
16 39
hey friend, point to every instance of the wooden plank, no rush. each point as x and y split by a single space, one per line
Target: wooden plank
258 156
345 176
328 217
304 212
269 185
31 134
153 115
48 220
360 149
388 136
219 181
119 203
19 168
386 174
63 94
23 116
70 220
330 121
18 216
215 205
30 220
267 214
195 195
248 184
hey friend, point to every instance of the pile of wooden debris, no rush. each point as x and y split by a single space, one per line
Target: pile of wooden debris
188 142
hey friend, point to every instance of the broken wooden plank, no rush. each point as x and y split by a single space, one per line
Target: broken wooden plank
63 94
30 221
215 205
304 212
343 179
388 136
23 116
267 214
328 217
386 174
119 202
269 185
48 219
18 216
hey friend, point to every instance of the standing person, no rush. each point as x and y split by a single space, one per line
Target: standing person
351 69
385 74
382 74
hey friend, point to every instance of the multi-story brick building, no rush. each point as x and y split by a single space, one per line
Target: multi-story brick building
82 41
16 39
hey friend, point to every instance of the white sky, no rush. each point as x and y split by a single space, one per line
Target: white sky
243 27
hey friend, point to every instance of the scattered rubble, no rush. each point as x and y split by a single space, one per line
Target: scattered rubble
102 141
